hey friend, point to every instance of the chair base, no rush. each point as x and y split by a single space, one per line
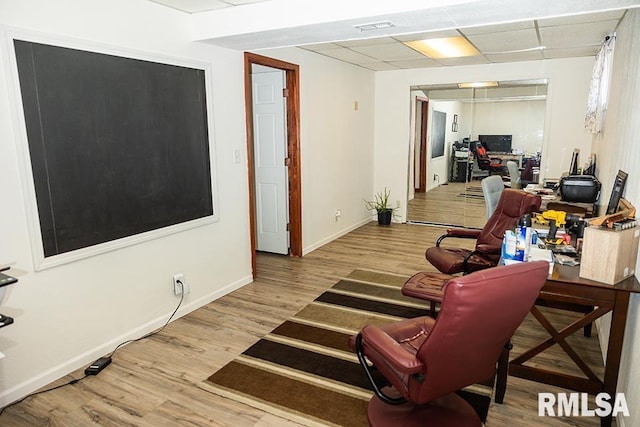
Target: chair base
448 411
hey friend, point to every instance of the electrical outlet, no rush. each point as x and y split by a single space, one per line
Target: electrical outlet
179 284
338 214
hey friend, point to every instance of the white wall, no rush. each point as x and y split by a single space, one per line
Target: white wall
69 315
336 144
566 98
438 169
617 147
524 120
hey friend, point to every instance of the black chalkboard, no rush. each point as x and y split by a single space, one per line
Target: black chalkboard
118 146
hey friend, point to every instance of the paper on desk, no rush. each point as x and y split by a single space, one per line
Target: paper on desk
537 254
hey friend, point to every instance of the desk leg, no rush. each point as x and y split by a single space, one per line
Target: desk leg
614 349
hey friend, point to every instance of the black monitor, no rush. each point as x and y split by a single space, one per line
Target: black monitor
496 143
616 193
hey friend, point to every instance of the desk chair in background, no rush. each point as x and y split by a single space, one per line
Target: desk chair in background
492 165
514 175
492 187
426 360
451 260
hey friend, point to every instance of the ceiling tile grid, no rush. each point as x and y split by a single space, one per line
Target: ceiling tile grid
567 36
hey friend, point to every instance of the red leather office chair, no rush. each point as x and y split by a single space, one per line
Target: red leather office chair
511 206
426 360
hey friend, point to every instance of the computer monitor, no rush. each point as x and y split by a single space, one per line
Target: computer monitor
616 193
496 143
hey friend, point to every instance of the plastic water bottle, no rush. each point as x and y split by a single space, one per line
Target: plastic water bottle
523 235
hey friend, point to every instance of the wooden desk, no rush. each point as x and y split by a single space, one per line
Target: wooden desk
505 157
565 286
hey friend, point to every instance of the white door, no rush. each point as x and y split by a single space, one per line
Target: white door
270 152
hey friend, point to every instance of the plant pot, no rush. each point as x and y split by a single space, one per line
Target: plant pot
384 216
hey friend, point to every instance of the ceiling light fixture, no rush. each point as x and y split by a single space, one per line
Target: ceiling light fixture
373 26
477 84
448 47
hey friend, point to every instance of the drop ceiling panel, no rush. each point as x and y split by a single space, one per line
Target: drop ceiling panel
416 63
572 52
374 41
505 41
513 26
576 35
389 52
379 66
516 56
428 35
582 18
348 55
321 46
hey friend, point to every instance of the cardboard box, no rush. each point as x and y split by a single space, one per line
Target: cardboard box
609 256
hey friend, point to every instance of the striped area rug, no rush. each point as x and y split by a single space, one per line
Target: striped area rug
304 370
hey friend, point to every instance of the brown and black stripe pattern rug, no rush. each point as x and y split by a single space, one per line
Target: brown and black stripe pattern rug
304 370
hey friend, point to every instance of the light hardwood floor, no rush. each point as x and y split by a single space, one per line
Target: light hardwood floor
157 381
457 203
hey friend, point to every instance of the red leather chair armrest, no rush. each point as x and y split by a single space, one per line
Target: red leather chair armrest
461 233
391 351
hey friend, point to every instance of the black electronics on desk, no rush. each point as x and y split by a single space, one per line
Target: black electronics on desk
580 188
496 143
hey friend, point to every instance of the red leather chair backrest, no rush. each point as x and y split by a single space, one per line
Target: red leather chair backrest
511 206
480 312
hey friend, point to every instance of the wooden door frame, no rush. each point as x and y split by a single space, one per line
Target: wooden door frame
424 115
292 84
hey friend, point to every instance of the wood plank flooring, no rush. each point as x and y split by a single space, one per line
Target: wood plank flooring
158 381
456 203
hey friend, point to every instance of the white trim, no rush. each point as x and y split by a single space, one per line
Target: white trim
335 236
41 262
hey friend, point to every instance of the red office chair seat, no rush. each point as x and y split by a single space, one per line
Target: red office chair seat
428 286
452 260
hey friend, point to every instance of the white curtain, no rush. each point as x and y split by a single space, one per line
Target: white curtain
599 92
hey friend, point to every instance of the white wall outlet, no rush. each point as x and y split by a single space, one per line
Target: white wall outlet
338 214
180 285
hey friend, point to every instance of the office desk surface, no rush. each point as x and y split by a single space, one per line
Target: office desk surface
565 289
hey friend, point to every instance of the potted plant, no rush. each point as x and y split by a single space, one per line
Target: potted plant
380 204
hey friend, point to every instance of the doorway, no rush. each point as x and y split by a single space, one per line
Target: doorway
292 159
420 163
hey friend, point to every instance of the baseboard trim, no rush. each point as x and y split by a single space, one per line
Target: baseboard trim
335 236
29 386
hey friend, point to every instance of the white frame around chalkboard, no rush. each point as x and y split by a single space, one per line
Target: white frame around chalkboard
39 260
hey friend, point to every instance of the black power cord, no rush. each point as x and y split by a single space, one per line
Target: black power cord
102 362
